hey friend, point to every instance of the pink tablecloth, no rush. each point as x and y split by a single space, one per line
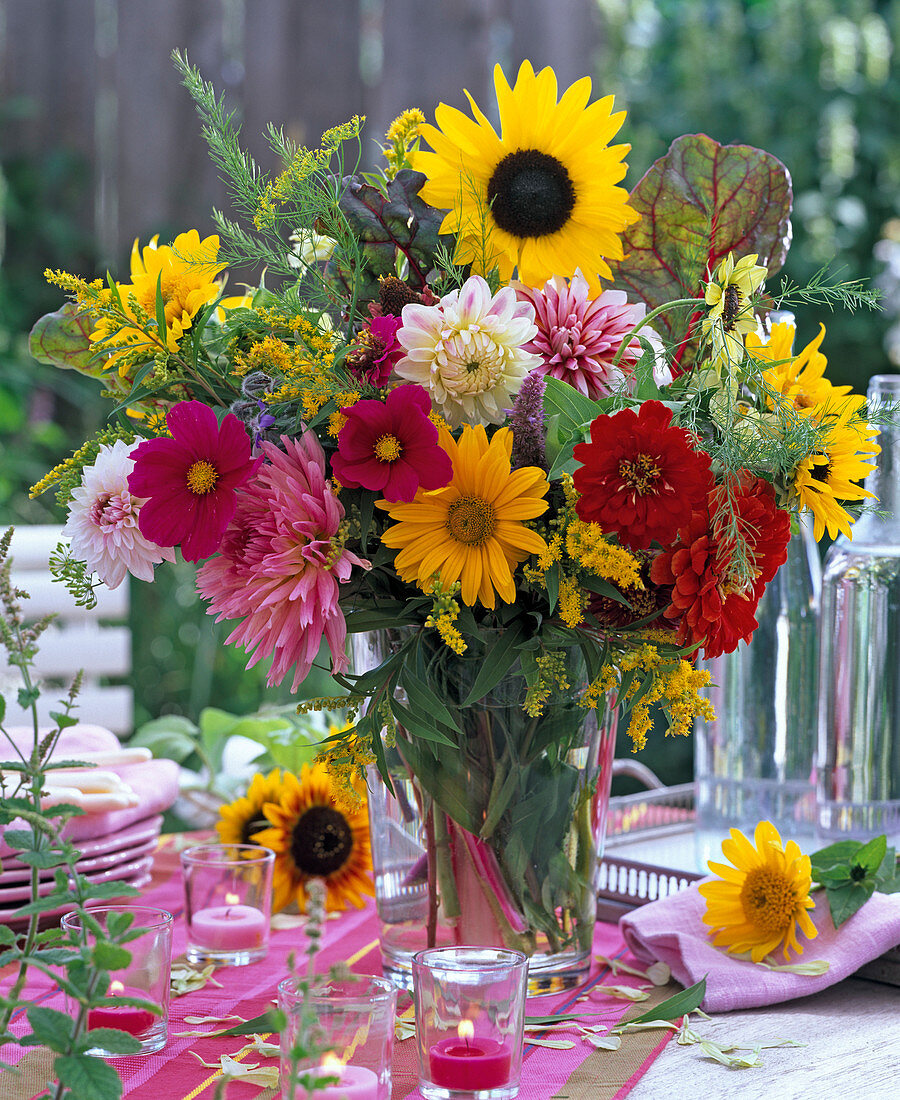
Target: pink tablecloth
582 1073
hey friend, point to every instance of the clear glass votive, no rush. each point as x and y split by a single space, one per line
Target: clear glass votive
470 1015
352 1023
228 902
145 978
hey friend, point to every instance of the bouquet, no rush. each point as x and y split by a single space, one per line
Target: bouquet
531 441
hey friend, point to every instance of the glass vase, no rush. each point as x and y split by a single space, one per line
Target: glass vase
859 706
494 840
757 759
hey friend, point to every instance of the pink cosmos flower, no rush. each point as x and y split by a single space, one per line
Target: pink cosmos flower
103 521
190 480
281 561
578 336
391 446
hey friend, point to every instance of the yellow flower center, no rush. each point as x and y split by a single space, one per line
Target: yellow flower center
202 477
640 475
387 448
768 899
471 520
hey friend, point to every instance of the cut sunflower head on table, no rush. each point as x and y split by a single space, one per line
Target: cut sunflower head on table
762 899
315 836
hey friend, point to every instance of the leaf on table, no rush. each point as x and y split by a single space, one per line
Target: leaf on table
249 1073
622 992
187 979
688 1000
212 1019
604 1042
551 1044
733 1061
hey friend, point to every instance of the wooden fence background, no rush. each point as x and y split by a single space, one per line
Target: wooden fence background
95 78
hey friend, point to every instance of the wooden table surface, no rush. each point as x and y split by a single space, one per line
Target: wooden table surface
852 1032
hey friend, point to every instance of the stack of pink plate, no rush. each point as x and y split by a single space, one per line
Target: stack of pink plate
125 857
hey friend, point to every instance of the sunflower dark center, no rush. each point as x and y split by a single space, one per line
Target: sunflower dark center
530 194
321 841
820 468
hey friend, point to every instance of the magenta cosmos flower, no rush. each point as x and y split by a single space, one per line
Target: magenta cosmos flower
377 351
190 480
391 446
578 336
281 561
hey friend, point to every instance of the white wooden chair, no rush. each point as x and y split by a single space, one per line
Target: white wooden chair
96 641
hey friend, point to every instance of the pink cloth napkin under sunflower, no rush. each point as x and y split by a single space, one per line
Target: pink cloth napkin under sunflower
672 930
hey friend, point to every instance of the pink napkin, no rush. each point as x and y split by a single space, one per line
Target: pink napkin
672 931
155 782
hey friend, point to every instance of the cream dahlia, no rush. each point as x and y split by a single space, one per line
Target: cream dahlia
467 351
103 521
579 334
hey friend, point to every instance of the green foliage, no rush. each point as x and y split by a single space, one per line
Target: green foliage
852 870
814 82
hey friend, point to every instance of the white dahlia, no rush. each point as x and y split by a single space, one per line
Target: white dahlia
467 351
103 521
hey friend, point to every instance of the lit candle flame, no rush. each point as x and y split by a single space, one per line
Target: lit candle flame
466 1030
231 899
332 1063
115 988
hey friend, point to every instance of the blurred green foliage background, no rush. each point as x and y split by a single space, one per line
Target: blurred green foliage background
814 82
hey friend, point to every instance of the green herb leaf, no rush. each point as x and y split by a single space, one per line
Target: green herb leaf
269 1021
503 656
846 900
680 1005
88 1078
870 855
111 1039
51 1028
109 956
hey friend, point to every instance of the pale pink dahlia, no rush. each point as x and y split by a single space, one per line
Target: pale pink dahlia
468 352
578 336
103 521
280 563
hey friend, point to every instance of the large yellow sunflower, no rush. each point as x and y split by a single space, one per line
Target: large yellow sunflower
799 379
184 272
239 820
844 455
315 836
763 898
472 529
542 195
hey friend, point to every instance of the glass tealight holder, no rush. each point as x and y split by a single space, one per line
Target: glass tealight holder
350 1023
145 978
228 903
470 1015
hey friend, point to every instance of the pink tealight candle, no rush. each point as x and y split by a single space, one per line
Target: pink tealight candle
229 927
122 1017
354 1082
469 1062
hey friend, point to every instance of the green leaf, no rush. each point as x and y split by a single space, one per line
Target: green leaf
109 956
672 1009
44 860
111 1039
88 1078
166 744
839 853
268 1022
2 708
500 660
419 725
62 339
425 701
27 696
7 935
870 855
22 839
63 720
697 203
51 1028
846 900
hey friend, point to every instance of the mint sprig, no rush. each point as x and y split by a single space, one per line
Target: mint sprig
852 870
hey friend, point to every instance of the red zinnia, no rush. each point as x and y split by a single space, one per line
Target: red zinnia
706 603
639 475
190 479
391 446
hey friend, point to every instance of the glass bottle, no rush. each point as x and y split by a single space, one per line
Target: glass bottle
859 706
756 761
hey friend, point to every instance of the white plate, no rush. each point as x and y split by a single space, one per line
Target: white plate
140 880
118 847
11 897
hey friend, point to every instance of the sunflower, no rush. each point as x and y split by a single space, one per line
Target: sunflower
542 195
315 836
471 530
729 295
844 455
762 898
239 820
798 379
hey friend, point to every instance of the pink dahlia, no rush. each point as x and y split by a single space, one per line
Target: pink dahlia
103 521
578 336
391 446
190 480
281 561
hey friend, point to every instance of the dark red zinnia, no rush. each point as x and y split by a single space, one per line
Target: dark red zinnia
190 479
708 604
640 475
391 446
